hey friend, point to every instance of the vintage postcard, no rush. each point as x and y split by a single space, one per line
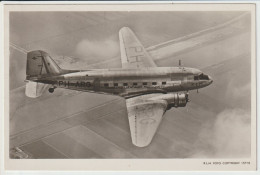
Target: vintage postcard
130 87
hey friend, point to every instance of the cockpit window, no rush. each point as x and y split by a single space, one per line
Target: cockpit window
201 77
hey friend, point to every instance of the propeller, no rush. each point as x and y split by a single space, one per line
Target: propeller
187 97
179 63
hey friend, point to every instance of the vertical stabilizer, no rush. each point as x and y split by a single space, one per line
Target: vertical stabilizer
40 64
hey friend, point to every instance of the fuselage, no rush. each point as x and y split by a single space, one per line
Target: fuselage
131 82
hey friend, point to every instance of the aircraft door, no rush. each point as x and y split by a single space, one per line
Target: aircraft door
184 79
96 84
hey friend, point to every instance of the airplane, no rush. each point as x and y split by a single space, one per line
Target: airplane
149 91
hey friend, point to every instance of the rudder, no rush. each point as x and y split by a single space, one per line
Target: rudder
39 63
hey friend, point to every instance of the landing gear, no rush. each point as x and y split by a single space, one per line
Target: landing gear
51 90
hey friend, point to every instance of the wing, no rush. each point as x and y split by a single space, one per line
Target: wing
133 53
144 118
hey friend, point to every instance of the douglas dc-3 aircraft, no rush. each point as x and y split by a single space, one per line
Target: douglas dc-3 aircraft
149 90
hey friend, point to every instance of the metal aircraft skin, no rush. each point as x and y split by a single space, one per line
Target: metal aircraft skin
149 90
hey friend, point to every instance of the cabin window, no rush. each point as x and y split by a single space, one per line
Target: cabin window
135 84
88 84
154 83
115 84
144 83
164 83
125 84
106 84
196 77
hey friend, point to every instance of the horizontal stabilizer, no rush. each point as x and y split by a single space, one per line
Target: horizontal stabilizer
34 89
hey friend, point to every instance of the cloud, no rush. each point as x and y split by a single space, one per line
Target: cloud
227 137
17 68
238 90
90 50
239 95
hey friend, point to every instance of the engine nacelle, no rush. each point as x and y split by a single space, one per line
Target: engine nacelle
178 100
173 99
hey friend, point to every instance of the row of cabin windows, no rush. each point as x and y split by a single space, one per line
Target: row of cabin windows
134 84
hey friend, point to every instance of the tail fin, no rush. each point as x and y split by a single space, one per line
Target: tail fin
40 64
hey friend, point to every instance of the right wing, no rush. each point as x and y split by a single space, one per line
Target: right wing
133 53
144 118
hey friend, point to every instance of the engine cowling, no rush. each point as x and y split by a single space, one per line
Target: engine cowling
178 100
173 99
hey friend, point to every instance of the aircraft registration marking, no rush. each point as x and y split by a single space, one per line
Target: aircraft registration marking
84 84
74 84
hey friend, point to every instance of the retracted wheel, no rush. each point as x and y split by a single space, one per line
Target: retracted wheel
51 90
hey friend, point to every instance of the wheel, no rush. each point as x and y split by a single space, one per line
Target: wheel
51 90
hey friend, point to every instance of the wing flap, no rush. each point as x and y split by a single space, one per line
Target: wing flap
144 119
133 53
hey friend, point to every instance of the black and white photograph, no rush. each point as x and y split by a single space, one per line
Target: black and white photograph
132 84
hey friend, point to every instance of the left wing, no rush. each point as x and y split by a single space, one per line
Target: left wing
133 53
144 117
